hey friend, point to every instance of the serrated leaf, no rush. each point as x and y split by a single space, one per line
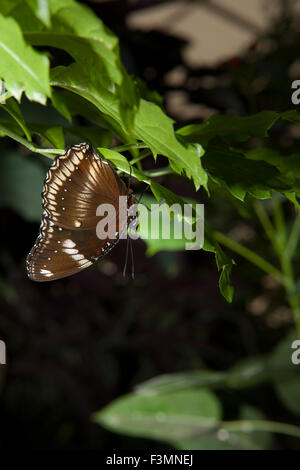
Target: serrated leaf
78 31
76 18
230 127
287 165
242 175
224 264
21 67
151 125
155 128
73 78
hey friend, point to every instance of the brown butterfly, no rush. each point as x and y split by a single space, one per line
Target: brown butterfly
76 184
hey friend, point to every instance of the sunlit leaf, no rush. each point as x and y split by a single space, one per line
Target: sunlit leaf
21 67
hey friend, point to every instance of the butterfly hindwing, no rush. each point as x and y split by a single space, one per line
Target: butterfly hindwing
75 185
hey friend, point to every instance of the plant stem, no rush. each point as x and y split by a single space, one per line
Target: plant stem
140 157
285 257
122 148
261 425
249 255
293 239
290 287
159 172
46 152
265 221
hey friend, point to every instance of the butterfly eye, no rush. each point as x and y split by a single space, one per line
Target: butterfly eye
77 183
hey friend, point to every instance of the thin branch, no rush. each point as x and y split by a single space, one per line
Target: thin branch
46 152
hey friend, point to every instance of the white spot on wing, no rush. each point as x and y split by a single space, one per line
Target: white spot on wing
46 272
70 251
77 257
68 243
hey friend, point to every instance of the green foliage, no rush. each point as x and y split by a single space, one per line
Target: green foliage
232 153
169 417
22 68
97 86
184 410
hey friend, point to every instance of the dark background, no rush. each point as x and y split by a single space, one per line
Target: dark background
75 345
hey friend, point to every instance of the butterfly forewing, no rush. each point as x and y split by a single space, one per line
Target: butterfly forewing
76 184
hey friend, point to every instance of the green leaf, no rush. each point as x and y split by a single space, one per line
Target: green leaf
28 13
170 238
121 163
41 10
172 382
12 107
224 264
288 393
281 357
51 135
73 78
10 125
156 129
21 182
287 380
169 417
79 32
94 135
22 68
287 165
249 372
229 127
151 125
75 18
241 175
59 103
90 54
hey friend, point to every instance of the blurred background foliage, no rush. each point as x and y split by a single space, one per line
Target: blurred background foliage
76 345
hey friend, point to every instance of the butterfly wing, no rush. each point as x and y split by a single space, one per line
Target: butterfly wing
76 184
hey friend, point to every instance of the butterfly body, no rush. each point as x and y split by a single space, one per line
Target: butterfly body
76 184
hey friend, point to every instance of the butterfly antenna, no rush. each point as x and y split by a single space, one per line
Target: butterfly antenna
132 259
129 179
143 192
126 259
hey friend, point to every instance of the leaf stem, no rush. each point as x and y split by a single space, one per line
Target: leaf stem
46 152
249 255
265 221
261 425
159 172
140 157
122 148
